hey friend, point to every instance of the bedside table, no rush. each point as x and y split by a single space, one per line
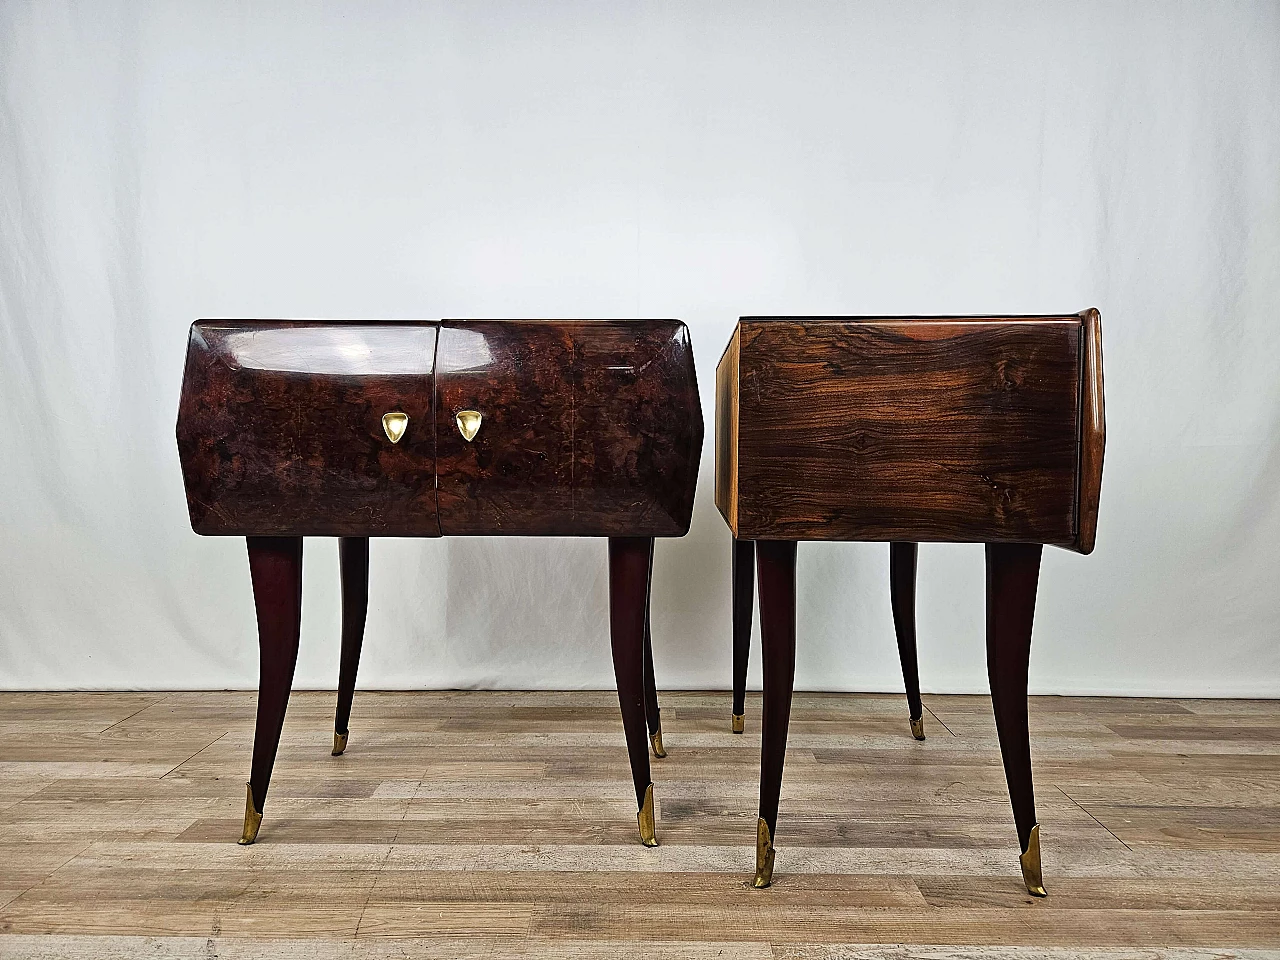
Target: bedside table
909 429
349 429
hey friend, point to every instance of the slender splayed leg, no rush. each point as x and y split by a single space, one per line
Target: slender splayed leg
275 565
652 714
776 560
353 553
744 591
1013 571
902 596
629 561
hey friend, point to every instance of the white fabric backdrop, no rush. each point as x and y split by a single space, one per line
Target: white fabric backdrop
166 161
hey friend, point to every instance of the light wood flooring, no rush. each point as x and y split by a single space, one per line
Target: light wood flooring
502 825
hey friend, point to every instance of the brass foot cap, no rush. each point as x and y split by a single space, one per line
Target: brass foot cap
764 855
655 738
739 722
340 743
917 727
1031 872
648 829
252 818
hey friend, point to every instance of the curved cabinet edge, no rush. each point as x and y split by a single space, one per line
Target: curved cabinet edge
1093 430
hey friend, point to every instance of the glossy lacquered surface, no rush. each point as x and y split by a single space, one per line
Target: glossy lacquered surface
590 428
587 428
911 429
280 428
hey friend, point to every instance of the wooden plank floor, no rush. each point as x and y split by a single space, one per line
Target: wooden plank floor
501 824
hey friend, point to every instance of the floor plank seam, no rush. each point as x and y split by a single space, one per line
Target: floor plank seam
939 719
364 907
381 867
5 807
1092 817
153 703
48 876
194 755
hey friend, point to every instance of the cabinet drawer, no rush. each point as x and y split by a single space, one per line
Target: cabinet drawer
280 428
588 428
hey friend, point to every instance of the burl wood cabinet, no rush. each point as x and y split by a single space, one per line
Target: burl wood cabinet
907 429
293 428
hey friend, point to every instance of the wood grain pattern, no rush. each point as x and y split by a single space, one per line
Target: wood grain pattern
280 428
914 429
591 428
517 474
500 824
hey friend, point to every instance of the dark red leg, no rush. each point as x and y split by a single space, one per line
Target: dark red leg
744 595
629 561
902 596
651 712
275 565
776 560
353 553
1013 571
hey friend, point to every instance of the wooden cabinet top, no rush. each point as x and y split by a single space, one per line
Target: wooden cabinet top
582 428
971 429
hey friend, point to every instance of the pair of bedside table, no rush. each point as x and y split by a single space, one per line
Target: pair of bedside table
952 429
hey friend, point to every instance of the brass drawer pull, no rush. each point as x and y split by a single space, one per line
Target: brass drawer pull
469 423
395 425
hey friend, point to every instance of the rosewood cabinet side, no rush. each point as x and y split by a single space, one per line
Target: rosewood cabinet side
909 430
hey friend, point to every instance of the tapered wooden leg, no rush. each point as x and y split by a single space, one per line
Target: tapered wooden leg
651 712
1013 572
353 554
776 560
902 596
744 594
629 562
275 565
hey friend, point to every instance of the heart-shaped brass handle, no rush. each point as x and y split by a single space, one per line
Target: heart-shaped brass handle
469 423
395 425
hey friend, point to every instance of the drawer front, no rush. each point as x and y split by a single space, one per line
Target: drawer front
280 428
515 476
637 428
908 430
588 428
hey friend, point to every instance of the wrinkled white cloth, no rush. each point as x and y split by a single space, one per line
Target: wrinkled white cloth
163 161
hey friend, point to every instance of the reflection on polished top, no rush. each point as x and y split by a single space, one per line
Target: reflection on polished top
333 350
580 428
